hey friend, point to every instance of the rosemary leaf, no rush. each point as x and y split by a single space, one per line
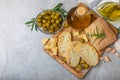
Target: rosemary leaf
33 19
58 6
29 22
32 26
63 12
97 34
36 27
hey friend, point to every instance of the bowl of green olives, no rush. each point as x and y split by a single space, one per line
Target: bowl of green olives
49 21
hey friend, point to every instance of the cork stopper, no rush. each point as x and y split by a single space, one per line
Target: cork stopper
81 11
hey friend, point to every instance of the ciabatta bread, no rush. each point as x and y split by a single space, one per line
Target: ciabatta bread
100 25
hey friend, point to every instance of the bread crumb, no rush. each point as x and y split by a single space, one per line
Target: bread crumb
107 59
108 49
113 51
101 58
118 55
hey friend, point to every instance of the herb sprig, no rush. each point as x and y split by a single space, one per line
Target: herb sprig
58 8
97 34
32 23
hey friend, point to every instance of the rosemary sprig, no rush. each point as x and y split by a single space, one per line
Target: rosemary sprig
60 9
97 34
32 23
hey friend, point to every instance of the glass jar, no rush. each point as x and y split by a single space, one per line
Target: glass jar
79 18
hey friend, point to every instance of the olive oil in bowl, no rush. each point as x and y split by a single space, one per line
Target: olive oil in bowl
110 10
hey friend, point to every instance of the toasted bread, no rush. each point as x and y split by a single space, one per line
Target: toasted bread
101 43
73 58
64 42
88 53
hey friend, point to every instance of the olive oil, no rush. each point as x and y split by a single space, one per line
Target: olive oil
79 18
110 10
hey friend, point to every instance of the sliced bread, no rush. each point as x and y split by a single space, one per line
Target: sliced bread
88 53
73 58
64 42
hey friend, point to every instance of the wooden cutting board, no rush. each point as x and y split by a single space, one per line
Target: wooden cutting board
85 71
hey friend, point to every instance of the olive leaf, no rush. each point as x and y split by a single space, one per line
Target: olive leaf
60 9
29 22
58 6
32 23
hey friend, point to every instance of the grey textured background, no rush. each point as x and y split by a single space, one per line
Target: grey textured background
21 54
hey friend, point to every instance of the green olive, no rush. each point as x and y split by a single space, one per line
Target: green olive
52 20
60 19
44 29
38 20
47 24
79 68
53 13
66 25
82 61
52 16
48 17
57 22
46 12
40 16
43 21
57 13
55 25
40 24
56 17
51 27
44 25
82 40
50 30
57 28
48 21
86 66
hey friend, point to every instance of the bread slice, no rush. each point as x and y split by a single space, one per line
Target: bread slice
88 53
64 43
103 42
73 58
